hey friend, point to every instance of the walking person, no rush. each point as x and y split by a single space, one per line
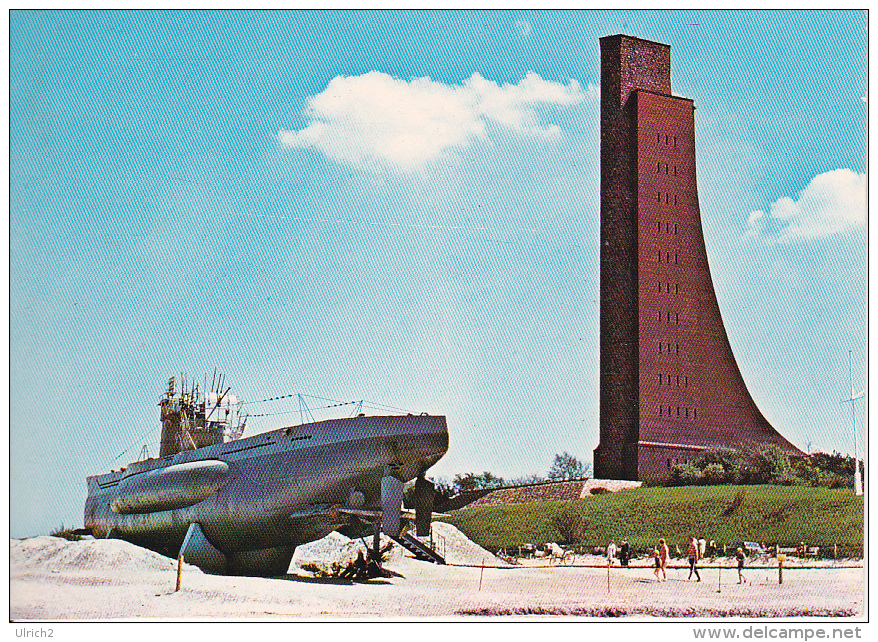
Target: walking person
664 554
611 552
693 554
625 553
658 563
740 557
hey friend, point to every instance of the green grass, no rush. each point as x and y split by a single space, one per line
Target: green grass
66 533
785 515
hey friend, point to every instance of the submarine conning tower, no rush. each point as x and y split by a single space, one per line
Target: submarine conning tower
670 385
194 420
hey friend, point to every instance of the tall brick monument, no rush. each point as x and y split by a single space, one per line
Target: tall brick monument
670 386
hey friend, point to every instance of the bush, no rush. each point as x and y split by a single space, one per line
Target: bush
686 475
714 474
831 471
66 533
751 464
569 523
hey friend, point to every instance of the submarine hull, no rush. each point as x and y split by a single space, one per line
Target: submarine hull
256 499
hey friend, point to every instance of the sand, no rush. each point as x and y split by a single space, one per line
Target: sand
53 579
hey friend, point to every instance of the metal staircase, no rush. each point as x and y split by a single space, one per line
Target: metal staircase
417 548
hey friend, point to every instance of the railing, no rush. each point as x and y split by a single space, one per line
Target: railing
440 540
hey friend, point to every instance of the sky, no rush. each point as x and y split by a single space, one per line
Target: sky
402 208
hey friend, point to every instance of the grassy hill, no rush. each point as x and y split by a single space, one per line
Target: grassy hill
785 515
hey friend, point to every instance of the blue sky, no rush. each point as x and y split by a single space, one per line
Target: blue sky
402 208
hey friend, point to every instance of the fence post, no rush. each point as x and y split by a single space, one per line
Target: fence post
179 571
608 576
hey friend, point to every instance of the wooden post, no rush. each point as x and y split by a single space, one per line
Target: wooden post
481 573
780 572
179 572
376 542
719 582
608 576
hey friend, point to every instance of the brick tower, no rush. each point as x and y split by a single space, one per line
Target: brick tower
670 386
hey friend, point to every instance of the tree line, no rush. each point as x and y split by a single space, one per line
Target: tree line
564 467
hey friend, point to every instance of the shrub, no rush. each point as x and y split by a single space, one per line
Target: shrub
714 474
66 533
832 471
686 475
745 464
569 523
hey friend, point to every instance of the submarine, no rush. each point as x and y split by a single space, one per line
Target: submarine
240 506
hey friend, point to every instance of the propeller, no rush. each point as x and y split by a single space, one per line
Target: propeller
424 491
391 504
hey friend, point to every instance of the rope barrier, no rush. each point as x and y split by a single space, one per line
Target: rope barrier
518 567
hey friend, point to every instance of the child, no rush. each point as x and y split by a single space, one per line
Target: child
740 557
658 563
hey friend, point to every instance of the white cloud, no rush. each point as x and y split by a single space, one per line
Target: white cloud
376 119
831 203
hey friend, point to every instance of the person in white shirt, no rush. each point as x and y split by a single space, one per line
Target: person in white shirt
611 552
